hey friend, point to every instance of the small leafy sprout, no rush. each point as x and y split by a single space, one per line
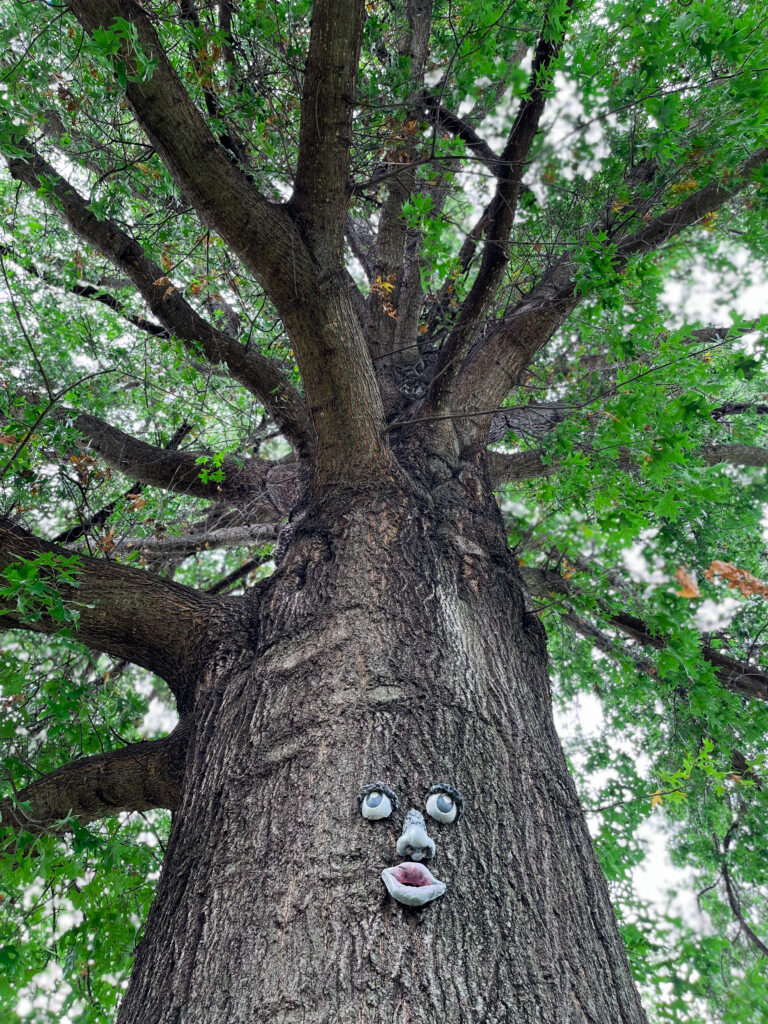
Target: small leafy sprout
444 803
376 801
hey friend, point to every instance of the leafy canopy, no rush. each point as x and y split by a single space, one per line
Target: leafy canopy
644 425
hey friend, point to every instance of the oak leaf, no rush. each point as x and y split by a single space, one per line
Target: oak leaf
737 579
687 582
107 542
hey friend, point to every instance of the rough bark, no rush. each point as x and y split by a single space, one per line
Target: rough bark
393 644
326 122
528 465
137 777
122 611
242 480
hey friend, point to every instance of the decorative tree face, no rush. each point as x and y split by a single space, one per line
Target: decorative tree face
411 882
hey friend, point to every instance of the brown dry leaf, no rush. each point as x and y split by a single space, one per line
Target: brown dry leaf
138 501
687 582
161 281
737 579
107 542
7 439
684 187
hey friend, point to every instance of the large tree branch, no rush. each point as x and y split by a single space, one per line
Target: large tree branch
395 305
122 611
608 644
86 525
734 455
311 293
183 545
530 421
691 210
322 172
261 232
263 377
737 408
461 129
537 419
528 465
731 673
182 472
496 361
497 220
138 777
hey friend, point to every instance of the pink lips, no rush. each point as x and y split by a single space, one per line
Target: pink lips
413 874
412 884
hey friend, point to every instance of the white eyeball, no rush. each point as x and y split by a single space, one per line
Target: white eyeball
442 807
375 805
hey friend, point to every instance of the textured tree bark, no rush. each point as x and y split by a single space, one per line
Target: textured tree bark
137 777
392 644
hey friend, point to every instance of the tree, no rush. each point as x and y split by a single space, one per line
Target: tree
329 286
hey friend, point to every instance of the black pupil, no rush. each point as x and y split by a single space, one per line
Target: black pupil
374 799
444 803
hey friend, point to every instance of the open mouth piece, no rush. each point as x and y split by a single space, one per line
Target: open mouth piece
412 884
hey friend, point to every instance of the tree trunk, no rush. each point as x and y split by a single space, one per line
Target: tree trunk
394 645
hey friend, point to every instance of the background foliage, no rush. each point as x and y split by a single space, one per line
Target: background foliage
630 398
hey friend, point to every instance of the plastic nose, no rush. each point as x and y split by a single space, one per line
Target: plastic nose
414 842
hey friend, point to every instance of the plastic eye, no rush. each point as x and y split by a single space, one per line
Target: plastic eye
376 805
444 803
376 801
441 807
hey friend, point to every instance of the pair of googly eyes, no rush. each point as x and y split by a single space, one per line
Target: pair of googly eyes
444 803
